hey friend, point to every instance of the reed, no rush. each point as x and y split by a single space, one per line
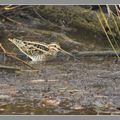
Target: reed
114 49
107 24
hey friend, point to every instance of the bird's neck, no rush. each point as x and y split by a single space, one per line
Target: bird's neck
53 52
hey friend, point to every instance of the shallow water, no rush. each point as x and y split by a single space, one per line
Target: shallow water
73 87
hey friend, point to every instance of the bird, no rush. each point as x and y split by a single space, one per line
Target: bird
38 51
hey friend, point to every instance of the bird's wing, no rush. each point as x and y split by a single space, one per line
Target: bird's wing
31 50
43 47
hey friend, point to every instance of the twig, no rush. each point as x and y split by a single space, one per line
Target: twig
8 67
18 7
11 20
11 55
118 11
3 51
97 53
39 15
2 48
10 7
48 21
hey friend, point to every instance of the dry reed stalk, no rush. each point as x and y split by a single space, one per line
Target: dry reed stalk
107 35
106 22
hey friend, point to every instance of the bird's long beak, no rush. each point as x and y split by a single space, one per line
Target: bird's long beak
66 52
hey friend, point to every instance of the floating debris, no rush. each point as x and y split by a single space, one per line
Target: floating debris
50 102
2 109
77 107
42 80
100 96
9 67
5 97
115 113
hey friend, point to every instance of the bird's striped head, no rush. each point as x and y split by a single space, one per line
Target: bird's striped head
56 47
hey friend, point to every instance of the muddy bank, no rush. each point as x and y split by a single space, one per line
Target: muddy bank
81 87
79 28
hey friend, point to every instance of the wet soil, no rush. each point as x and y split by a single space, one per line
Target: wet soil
73 87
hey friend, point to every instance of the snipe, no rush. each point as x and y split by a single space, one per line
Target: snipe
38 51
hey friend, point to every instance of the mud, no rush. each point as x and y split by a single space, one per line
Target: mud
73 87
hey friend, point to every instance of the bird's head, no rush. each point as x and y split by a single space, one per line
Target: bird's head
56 47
